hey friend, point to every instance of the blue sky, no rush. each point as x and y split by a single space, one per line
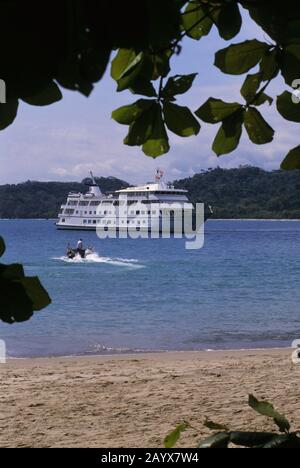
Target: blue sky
67 140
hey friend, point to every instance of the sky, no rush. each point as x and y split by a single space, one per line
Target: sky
63 142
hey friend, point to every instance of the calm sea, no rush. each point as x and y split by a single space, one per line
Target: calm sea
240 291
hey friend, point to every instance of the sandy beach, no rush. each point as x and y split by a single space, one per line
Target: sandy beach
135 400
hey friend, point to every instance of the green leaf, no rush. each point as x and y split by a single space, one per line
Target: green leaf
12 272
258 129
287 108
160 64
228 20
126 68
35 292
229 135
262 98
70 76
290 63
214 110
2 246
49 95
251 86
158 142
214 426
220 440
293 31
8 113
141 129
173 437
269 67
280 441
196 21
143 87
251 439
250 90
267 409
240 58
162 21
123 62
15 304
178 84
126 115
180 120
292 160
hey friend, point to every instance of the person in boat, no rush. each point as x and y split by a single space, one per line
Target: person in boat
80 248
71 253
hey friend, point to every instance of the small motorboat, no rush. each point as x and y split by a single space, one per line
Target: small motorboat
82 253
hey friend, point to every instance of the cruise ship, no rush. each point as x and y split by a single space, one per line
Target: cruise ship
155 207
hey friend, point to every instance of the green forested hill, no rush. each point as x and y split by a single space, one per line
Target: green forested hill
43 199
246 192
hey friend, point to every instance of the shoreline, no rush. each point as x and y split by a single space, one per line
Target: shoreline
134 401
151 353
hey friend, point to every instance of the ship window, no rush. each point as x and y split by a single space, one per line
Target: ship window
95 212
138 212
63 220
94 222
128 221
143 212
84 221
144 222
149 212
105 212
154 212
132 212
89 221
139 222
83 203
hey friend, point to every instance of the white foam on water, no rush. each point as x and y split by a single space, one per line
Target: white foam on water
95 258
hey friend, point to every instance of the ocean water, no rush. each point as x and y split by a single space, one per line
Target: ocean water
241 290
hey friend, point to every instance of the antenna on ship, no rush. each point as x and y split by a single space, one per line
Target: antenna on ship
93 178
94 188
159 175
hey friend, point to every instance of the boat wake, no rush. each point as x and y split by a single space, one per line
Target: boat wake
95 258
